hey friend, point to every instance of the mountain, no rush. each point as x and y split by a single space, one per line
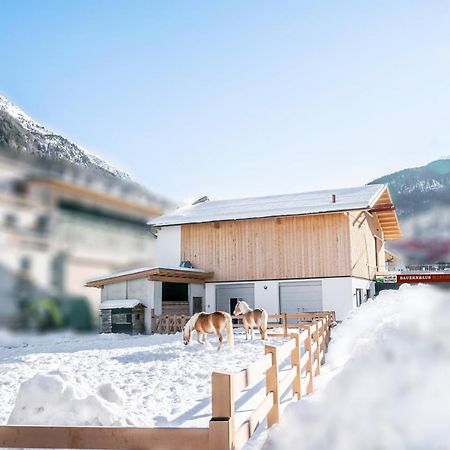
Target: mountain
21 134
420 188
422 199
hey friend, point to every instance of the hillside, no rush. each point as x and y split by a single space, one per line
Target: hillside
419 189
21 134
422 199
23 138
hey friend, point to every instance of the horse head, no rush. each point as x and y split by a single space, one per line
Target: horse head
237 308
187 333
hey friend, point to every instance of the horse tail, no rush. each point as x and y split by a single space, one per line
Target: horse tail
264 318
229 329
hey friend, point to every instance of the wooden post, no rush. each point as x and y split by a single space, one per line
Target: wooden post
324 339
220 434
152 321
221 425
309 364
317 352
285 324
295 358
272 386
328 325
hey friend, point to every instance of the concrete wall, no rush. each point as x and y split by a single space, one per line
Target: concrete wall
337 296
168 247
210 297
116 291
267 296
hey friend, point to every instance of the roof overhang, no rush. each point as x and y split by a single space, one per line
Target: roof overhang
82 192
120 304
384 210
166 274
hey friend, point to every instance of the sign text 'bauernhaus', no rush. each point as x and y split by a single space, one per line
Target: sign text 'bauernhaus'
424 278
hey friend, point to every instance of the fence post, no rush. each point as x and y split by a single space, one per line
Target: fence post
221 425
316 340
152 321
328 325
295 358
309 364
285 324
272 385
324 339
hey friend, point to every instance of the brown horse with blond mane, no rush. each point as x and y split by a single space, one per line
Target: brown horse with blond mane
252 318
204 323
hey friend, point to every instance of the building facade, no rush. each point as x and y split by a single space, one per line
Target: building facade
60 227
289 253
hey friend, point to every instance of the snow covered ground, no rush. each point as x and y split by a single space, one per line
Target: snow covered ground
386 381
113 379
384 385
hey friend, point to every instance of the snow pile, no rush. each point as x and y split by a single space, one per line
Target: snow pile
391 366
57 398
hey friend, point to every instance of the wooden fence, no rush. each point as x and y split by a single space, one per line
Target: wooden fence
168 324
304 347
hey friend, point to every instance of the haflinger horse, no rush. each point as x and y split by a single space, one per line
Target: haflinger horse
252 318
204 323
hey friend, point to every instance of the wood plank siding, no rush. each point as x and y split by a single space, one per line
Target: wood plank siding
270 248
367 244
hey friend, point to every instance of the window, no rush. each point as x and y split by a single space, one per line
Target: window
359 297
25 264
42 224
10 220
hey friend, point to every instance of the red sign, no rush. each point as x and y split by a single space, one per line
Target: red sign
424 278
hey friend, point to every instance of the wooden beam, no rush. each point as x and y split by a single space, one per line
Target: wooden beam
382 207
168 279
21 436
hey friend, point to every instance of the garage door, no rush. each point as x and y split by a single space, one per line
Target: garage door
301 296
227 295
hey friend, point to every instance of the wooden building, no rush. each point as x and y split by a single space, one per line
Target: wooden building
287 253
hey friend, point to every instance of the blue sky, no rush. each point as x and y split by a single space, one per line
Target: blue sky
236 98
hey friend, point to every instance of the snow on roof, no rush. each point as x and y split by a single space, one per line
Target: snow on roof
120 274
272 206
117 304
144 271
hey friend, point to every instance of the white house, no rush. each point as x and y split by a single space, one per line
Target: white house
287 253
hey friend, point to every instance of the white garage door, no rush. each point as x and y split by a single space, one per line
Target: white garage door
228 294
301 296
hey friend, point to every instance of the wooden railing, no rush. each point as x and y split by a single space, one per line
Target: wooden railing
305 350
168 324
304 347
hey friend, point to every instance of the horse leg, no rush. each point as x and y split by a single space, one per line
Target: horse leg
199 337
204 338
251 332
246 331
220 337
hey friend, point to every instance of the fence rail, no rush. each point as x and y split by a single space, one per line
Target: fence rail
305 342
168 324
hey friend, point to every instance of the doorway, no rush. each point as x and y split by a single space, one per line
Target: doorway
175 299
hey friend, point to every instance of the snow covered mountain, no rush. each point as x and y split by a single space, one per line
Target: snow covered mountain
419 189
20 133
422 199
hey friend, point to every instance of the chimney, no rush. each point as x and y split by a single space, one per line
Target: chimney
333 198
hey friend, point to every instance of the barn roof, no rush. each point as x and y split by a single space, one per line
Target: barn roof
316 202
